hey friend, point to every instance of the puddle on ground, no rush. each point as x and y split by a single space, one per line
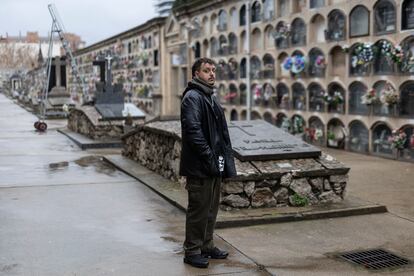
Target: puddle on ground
96 162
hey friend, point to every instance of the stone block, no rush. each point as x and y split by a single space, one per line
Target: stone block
282 195
316 183
263 197
286 179
301 187
232 187
339 178
236 201
249 187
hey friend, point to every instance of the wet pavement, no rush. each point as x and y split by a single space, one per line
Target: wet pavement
65 212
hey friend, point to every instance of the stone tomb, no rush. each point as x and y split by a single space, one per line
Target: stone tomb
280 178
259 140
110 117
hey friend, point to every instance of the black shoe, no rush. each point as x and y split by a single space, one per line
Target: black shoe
196 261
215 253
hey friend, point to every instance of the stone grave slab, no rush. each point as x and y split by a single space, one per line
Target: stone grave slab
260 141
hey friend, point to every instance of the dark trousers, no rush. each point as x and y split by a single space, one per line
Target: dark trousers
203 204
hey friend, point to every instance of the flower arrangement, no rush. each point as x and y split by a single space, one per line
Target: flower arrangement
298 64
397 54
335 99
363 55
370 97
389 96
331 135
287 63
345 48
397 139
297 125
313 134
320 61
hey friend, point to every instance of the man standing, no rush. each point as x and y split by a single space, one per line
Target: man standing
206 158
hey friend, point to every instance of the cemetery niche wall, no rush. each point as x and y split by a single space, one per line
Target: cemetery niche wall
273 168
109 117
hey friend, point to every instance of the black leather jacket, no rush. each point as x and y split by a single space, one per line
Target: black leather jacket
199 126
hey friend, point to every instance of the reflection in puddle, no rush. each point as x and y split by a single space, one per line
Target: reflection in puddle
97 162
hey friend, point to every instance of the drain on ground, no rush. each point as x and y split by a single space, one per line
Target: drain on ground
374 259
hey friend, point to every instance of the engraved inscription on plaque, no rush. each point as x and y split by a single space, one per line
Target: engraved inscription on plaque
259 140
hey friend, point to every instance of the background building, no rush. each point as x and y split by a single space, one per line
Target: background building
338 72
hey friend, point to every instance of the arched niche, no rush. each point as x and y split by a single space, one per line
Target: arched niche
255 67
282 96
214 47
232 44
336 134
242 16
407 15
407 151
358 137
383 63
381 107
337 62
257 41
282 120
257 94
317 63
206 48
282 7
298 32
359 21
316 97
243 41
222 93
269 95
267 116
243 94
223 46
315 133
233 96
336 26
233 18
222 21
406 102
282 35
243 115
256 12
298 69
298 125
359 65
268 36
268 66
197 50
243 69
255 115
233 69
335 98
282 72
385 17
317 29
407 46
381 144
234 116
357 90
298 96
221 70
268 10
205 26
213 23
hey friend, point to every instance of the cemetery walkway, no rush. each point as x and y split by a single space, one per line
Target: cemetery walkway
64 211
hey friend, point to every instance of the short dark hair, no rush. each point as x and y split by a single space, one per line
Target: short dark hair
198 62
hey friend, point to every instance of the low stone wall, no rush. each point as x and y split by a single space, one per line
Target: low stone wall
295 182
85 120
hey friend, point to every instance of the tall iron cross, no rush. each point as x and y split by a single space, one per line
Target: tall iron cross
108 59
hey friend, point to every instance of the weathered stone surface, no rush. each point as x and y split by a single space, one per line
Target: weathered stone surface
236 201
339 178
282 195
327 185
232 187
246 170
301 187
249 187
329 197
286 180
316 183
263 197
332 164
266 183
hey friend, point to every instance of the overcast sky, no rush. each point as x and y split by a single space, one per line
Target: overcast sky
93 20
